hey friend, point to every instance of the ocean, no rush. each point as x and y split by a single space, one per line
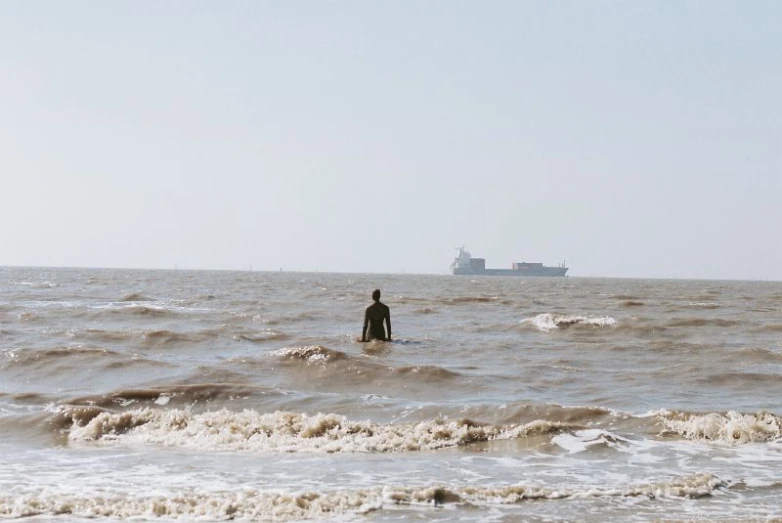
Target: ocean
151 395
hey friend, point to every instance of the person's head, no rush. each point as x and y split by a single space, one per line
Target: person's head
376 295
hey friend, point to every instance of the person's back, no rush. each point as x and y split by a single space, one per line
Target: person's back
374 316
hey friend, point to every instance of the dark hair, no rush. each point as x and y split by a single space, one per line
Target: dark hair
376 294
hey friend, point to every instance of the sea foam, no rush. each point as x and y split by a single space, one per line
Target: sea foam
254 505
730 427
249 430
548 321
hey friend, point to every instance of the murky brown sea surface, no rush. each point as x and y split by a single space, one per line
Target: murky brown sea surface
163 395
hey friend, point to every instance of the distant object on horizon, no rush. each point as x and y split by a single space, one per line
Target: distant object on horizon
466 265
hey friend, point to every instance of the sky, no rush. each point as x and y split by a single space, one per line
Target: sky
629 139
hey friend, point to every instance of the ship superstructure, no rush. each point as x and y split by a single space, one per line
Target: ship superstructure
465 264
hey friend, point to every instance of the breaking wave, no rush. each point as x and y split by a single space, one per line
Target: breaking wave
311 353
729 427
547 322
249 430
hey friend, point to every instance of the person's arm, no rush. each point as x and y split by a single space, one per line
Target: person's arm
388 323
364 330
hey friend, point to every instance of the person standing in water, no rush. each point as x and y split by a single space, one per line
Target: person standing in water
374 317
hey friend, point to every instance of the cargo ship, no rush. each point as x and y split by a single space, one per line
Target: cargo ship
464 264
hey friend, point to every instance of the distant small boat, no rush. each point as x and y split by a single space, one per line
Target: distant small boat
465 264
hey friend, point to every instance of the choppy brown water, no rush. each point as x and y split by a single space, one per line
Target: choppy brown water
157 395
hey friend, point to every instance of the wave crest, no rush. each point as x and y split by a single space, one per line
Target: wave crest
429 372
42 357
547 322
311 353
136 296
252 431
472 299
730 427
168 395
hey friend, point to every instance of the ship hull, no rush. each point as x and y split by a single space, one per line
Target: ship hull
536 271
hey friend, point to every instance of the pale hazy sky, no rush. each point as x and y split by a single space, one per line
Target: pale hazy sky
632 139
